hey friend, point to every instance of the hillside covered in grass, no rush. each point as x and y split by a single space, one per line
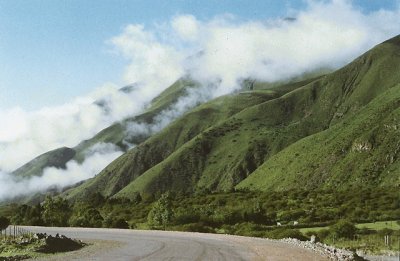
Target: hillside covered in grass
116 134
340 130
337 130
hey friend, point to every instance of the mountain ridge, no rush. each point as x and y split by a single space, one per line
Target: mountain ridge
232 142
331 99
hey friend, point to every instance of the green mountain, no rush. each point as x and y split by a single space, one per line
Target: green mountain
159 147
115 134
56 158
339 130
360 151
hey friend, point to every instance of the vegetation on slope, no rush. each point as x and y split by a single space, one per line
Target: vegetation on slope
359 151
115 134
222 156
263 214
56 158
158 147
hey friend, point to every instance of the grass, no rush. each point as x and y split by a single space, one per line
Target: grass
158 147
369 244
13 251
379 225
312 165
260 144
113 134
373 242
55 158
305 136
312 229
9 248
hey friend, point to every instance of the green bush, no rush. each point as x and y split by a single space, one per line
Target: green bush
4 223
161 213
120 223
286 233
365 231
322 234
195 227
185 217
87 218
56 212
343 229
385 231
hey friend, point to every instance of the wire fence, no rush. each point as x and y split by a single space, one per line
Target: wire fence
13 232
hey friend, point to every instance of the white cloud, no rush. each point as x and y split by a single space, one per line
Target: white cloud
98 158
218 53
187 27
193 97
25 135
156 64
224 50
326 34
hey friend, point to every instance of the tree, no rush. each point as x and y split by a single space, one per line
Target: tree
137 198
4 223
34 216
86 216
96 199
343 229
161 212
56 212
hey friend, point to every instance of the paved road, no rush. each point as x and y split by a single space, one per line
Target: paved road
119 244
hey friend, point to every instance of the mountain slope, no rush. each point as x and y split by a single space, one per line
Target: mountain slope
222 156
161 145
56 158
115 134
360 151
266 138
158 147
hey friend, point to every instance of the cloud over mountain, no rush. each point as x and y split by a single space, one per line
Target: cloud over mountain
219 53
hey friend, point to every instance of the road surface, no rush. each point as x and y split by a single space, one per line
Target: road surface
121 244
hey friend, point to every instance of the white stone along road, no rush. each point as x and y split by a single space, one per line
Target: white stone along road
124 244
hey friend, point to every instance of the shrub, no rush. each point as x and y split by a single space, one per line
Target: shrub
343 229
196 227
120 223
366 231
322 234
161 212
385 231
87 218
185 217
56 211
249 229
4 223
286 233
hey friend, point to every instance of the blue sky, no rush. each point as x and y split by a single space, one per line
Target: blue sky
52 51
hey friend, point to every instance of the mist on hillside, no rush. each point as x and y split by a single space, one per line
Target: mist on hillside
218 54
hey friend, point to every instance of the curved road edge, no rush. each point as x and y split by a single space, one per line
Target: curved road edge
126 244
